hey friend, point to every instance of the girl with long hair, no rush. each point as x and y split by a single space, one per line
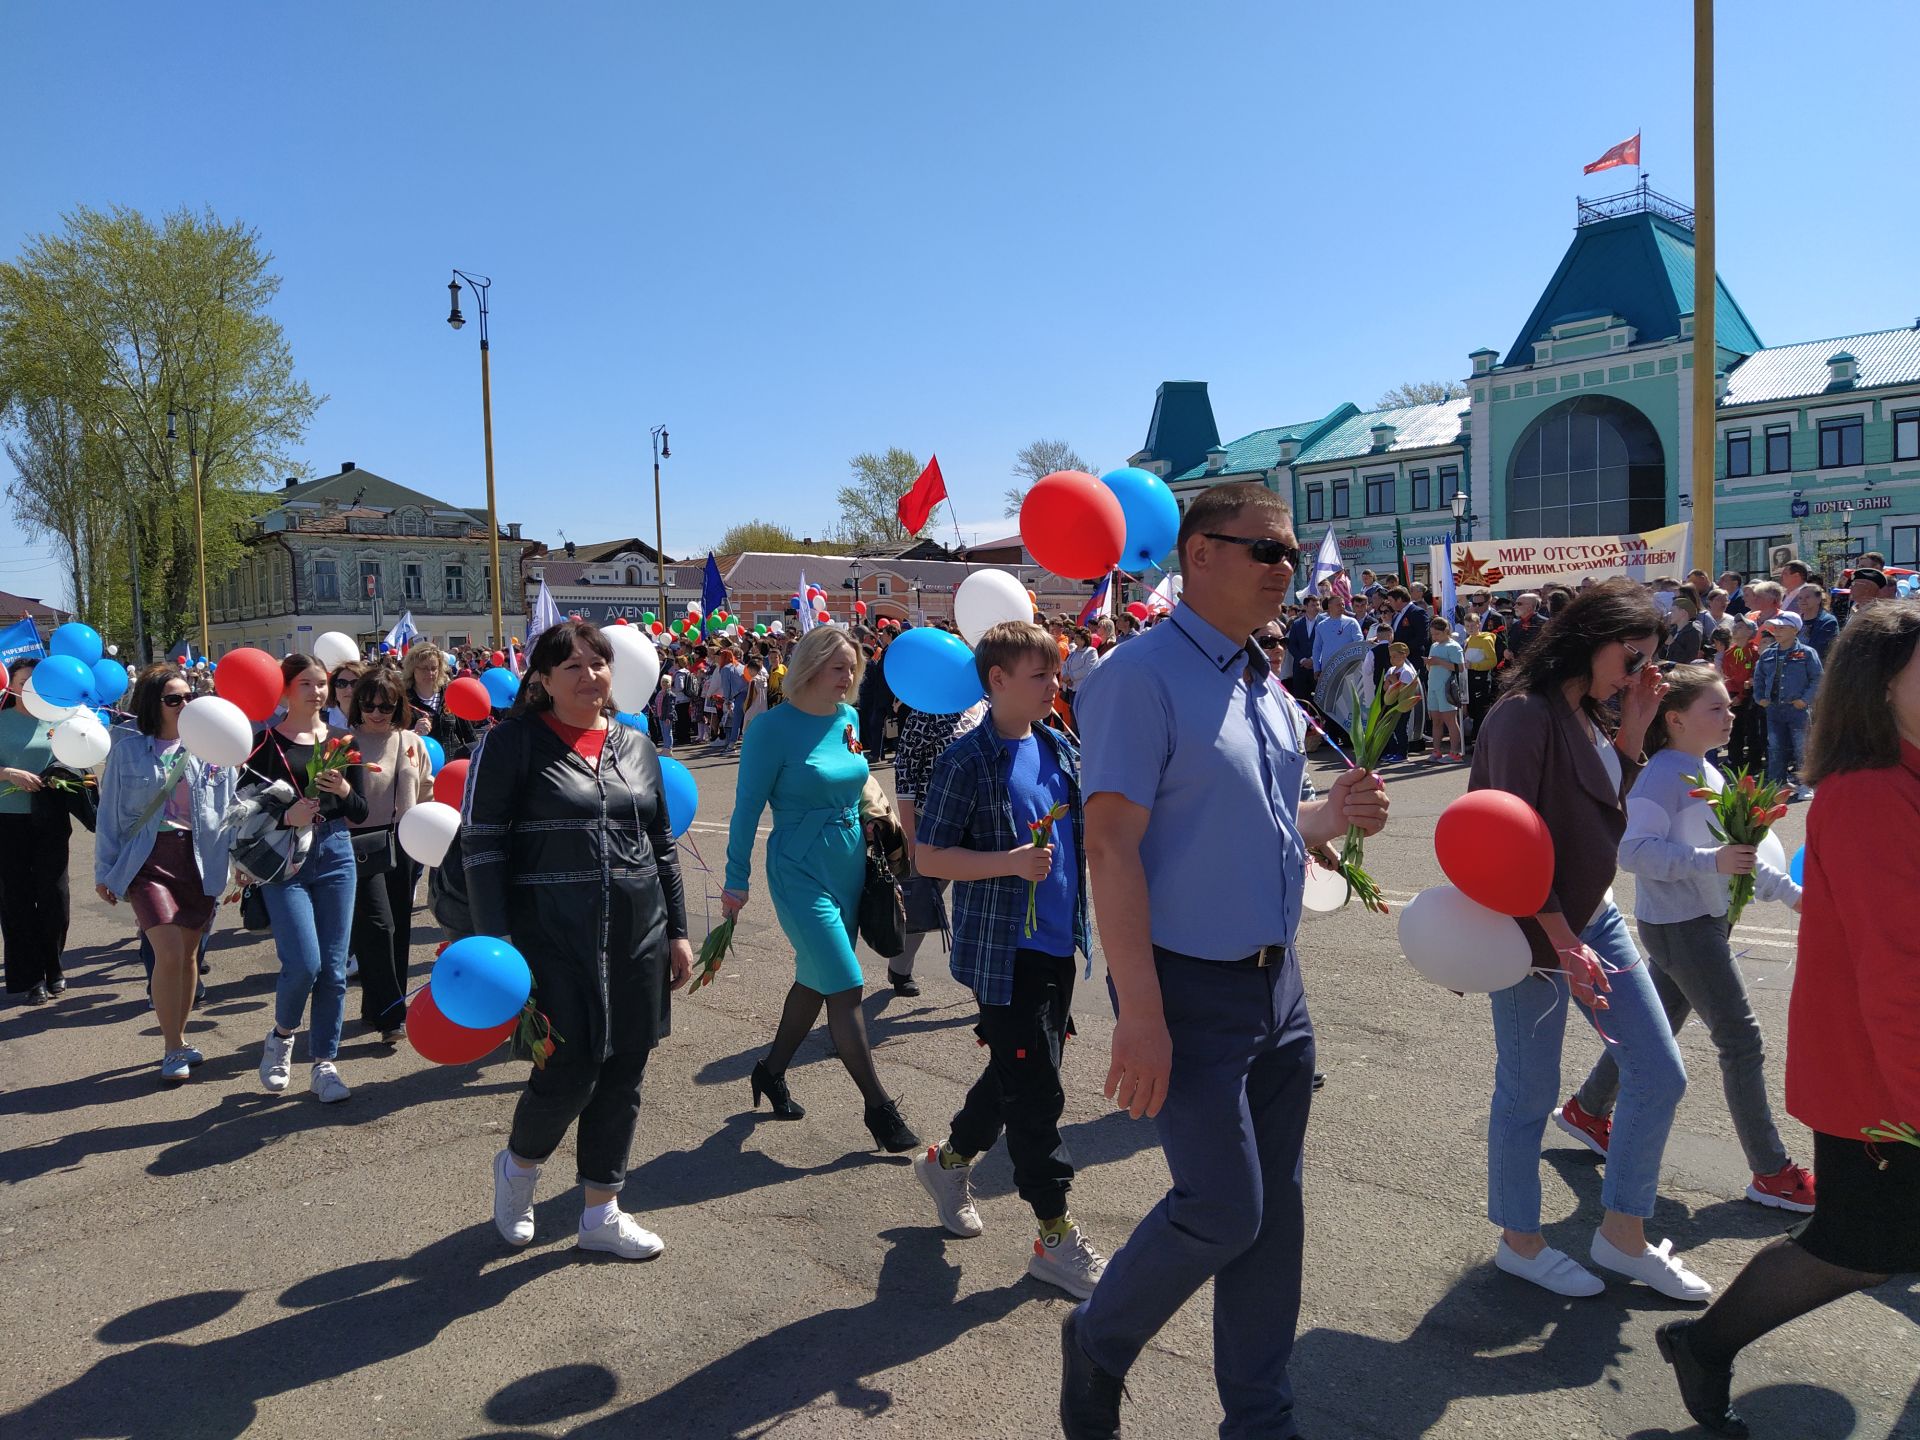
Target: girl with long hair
396 776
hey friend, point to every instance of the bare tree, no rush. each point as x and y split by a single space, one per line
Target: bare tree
1421 392
870 502
1042 457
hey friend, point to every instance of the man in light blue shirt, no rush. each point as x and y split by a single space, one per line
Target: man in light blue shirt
1192 757
1336 631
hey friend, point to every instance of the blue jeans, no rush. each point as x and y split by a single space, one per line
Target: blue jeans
1786 738
1529 1024
312 920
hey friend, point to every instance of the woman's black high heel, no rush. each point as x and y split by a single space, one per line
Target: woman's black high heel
774 1087
890 1129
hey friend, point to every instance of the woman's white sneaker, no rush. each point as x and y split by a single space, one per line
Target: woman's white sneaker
513 1199
623 1236
276 1066
1655 1267
174 1067
325 1082
1551 1269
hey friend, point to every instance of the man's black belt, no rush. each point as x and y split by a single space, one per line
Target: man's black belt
1265 958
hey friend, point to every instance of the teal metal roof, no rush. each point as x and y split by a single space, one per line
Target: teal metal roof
1639 267
1260 451
1416 427
1792 372
1183 428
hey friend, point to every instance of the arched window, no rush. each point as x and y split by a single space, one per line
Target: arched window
633 574
1591 466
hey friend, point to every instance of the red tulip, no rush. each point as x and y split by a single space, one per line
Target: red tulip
1702 794
353 757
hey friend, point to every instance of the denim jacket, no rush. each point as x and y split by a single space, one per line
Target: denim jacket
130 784
1798 668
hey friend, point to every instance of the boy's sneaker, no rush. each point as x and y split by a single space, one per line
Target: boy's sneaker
1067 1260
952 1192
1788 1189
194 1057
174 1067
325 1082
1592 1131
276 1066
623 1236
513 1199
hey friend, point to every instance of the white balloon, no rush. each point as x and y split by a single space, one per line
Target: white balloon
777 628
636 667
426 830
1772 852
216 730
335 649
987 598
1325 889
113 649
42 709
81 742
1462 945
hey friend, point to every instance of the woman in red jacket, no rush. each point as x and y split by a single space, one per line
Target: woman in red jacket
1853 1029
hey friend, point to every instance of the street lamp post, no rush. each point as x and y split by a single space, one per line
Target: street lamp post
481 284
660 452
1459 503
853 583
199 510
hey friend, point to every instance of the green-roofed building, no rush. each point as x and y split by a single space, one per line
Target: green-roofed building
1584 426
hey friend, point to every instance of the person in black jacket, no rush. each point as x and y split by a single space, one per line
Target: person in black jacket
569 854
425 673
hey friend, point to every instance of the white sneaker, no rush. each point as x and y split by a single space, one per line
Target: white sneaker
174 1067
1655 1267
513 1199
325 1082
1069 1262
276 1066
353 966
952 1192
623 1236
194 1057
1551 1269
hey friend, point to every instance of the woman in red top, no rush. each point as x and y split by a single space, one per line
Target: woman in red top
1853 1032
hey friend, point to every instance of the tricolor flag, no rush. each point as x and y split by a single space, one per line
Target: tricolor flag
1097 601
1627 152
403 632
1164 596
182 653
1327 563
545 615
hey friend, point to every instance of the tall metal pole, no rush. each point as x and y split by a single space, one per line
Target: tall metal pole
659 532
493 515
1706 290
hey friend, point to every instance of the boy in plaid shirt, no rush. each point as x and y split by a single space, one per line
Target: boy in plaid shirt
1019 913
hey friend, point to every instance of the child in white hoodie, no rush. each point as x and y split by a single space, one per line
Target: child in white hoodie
1681 899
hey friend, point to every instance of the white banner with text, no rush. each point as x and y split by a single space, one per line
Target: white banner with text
1566 560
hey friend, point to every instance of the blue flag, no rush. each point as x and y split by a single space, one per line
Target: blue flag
713 592
20 642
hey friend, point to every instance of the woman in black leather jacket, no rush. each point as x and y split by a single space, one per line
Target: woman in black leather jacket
568 854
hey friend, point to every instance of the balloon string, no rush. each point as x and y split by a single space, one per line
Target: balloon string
1321 731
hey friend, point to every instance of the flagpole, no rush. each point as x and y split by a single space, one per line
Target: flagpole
1705 283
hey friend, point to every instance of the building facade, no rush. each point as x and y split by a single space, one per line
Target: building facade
354 551
610 580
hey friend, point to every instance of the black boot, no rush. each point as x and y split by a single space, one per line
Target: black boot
1706 1390
774 1087
902 984
1089 1396
890 1131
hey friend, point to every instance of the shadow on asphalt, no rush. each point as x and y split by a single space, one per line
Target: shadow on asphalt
915 1312
1797 1410
721 1165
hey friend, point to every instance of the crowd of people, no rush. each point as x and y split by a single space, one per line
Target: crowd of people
1134 772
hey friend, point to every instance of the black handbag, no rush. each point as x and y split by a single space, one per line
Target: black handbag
375 852
253 909
883 914
926 906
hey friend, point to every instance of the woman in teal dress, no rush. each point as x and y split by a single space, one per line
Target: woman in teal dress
1445 659
804 759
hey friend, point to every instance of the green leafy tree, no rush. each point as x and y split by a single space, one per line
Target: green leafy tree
107 326
1421 392
759 535
870 501
1041 458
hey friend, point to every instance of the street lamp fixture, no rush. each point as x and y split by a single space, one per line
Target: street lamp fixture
1459 504
454 317
481 284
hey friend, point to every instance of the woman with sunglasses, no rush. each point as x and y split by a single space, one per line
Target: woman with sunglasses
395 778
1556 740
340 694
159 844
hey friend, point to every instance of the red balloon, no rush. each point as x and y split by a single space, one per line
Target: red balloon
450 785
656 627
1139 611
468 698
498 657
621 621
440 1040
859 607
1073 525
1497 851
250 678
823 618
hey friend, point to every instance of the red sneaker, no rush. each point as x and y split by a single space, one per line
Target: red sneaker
1790 1189
1592 1131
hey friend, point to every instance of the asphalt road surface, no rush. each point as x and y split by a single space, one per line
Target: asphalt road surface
214 1261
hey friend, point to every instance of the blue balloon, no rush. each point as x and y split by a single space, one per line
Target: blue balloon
104 717
683 796
480 982
1153 515
109 681
631 720
1798 869
82 642
63 680
932 670
436 755
503 686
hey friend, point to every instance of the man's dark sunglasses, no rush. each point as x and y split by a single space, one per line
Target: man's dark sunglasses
1265 551
174 702
374 707
1271 642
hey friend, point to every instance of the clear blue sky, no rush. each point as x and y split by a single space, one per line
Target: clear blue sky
797 231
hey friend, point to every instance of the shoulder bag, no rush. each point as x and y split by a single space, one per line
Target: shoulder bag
883 914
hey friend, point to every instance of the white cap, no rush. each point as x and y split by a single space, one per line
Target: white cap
1786 618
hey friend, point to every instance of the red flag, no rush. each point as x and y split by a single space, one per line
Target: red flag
916 506
1627 152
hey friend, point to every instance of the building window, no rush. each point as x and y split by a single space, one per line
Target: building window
1591 466
883 587
1906 434
1840 442
456 584
1380 495
326 581
1316 503
413 585
1739 453
1903 545
1449 482
1342 508
1422 490
486 581
1749 556
1779 449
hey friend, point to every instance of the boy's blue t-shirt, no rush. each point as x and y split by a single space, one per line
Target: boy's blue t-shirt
1036 784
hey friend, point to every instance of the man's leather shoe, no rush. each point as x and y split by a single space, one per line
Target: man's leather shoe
1089 1396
